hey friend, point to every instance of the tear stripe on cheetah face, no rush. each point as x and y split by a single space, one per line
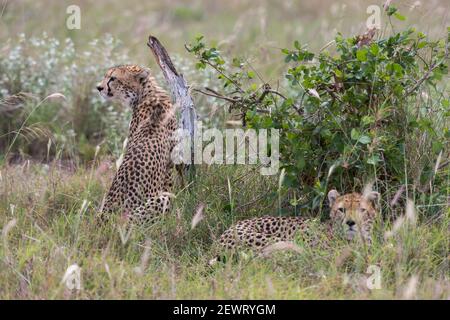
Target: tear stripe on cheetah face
256 233
146 171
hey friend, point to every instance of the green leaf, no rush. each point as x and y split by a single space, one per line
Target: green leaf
374 49
422 44
437 146
326 133
361 54
300 163
391 10
398 68
373 160
200 65
237 62
364 140
367 120
355 134
399 16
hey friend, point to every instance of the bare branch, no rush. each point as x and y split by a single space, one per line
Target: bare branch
215 95
427 75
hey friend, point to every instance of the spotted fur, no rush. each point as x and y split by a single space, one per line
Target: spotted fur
354 212
259 232
142 185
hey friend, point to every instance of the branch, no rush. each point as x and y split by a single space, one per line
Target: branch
427 75
161 55
267 89
238 87
214 94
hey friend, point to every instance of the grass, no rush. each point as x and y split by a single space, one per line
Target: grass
62 159
47 214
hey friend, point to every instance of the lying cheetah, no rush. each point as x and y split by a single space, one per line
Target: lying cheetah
143 182
353 212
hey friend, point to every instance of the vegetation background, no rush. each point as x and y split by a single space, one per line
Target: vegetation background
59 143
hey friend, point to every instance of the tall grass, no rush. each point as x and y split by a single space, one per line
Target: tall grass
47 217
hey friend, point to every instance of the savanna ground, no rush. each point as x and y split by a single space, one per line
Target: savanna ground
58 155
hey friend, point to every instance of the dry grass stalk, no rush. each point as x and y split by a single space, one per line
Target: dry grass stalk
198 216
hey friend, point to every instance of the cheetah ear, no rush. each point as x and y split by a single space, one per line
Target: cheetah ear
373 196
332 196
143 74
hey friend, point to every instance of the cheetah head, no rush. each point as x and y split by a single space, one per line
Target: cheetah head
123 84
354 212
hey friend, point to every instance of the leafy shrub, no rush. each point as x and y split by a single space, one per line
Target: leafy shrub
372 109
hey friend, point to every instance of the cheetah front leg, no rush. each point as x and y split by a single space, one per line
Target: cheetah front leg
149 212
114 199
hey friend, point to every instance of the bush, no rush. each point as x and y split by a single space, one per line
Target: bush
373 109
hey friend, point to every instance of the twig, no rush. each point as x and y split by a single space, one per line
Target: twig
216 95
277 93
218 70
427 74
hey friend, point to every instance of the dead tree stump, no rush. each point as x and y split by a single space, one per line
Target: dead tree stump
180 91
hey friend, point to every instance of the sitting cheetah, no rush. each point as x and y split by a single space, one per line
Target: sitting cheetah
353 212
141 186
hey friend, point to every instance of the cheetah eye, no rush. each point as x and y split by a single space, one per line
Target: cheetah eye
109 81
341 210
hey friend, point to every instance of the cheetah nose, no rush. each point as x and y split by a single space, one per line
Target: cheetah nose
99 88
350 223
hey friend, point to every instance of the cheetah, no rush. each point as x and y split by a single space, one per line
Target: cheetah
141 187
353 212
